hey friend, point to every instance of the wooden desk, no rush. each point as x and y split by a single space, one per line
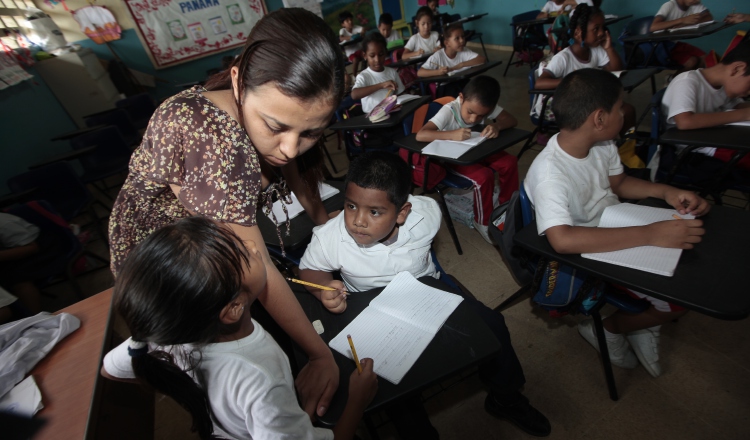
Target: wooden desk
709 279
68 376
463 342
362 123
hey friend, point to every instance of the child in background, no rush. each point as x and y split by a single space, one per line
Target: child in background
477 104
374 83
384 231
426 40
593 48
700 98
575 177
385 26
187 304
346 33
550 8
678 13
454 57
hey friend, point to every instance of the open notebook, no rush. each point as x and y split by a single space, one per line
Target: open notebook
453 149
658 260
296 208
397 326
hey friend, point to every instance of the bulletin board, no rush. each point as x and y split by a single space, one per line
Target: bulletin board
176 31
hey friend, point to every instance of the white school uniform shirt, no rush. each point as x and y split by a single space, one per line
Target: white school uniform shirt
565 190
428 45
368 267
449 117
393 37
369 77
441 59
671 11
551 7
691 92
356 30
249 384
15 231
565 62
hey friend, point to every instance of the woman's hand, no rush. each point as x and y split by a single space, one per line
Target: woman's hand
316 383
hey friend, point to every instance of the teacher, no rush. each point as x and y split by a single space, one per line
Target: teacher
215 153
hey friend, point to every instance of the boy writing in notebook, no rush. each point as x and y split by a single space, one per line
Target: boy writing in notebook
576 176
384 231
676 14
477 104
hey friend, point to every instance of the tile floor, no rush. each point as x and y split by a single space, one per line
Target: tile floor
704 392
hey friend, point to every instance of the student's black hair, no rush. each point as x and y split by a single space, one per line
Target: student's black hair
484 90
451 29
307 65
382 171
583 14
583 92
740 53
171 291
421 12
343 16
385 18
374 37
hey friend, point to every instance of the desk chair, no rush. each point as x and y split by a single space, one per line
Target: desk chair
520 214
111 156
412 124
526 38
542 125
139 108
120 119
644 54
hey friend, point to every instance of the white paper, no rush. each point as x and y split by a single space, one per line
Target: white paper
658 260
397 326
453 72
453 149
608 16
296 208
24 399
618 73
693 26
406 98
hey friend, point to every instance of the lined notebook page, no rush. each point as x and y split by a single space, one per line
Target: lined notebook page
453 149
397 326
661 261
295 208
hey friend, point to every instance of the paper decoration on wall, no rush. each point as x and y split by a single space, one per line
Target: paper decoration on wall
11 73
311 5
175 31
98 23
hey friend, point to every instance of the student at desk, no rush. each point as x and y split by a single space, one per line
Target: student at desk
208 353
384 231
675 14
453 57
575 177
385 27
700 98
477 104
426 40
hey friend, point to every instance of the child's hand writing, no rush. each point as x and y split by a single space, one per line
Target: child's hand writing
334 300
390 85
680 234
686 202
692 19
461 134
490 132
363 386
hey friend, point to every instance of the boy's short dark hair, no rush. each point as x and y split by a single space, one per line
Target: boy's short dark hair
382 171
484 90
374 37
385 18
421 12
583 92
344 16
740 53
451 29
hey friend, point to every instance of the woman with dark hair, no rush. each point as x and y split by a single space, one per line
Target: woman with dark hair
212 152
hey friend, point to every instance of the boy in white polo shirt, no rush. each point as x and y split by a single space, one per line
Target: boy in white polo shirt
383 231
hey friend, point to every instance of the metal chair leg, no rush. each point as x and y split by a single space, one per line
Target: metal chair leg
449 221
606 363
509 62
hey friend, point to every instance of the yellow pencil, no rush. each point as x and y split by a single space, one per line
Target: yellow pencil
354 353
317 286
677 217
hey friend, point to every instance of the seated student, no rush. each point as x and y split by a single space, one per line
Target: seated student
552 7
592 48
678 13
208 353
374 83
575 177
455 56
385 26
346 33
426 40
477 104
700 98
20 257
384 231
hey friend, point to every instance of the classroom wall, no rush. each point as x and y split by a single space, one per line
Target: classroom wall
496 29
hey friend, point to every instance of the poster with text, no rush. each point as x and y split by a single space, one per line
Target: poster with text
175 31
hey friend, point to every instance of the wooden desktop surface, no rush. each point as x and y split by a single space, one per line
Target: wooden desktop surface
67 376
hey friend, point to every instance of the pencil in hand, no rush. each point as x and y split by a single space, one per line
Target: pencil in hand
305 283
354 353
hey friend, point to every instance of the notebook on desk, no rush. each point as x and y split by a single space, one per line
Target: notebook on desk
453 149
397 326
295 208
658 260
